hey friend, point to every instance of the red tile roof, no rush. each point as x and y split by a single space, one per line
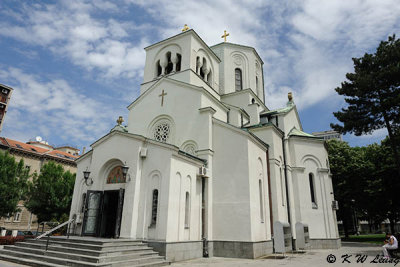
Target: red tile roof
37 150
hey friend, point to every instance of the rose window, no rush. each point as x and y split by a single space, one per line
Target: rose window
162 131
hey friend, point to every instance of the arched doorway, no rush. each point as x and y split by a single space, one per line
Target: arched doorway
103 209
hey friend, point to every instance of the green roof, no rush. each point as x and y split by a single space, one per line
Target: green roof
119 128
296 132
284 110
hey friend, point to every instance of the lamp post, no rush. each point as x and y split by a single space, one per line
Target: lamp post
355 217
86 177
125 169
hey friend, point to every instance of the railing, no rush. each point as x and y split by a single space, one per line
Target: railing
54 229
43 224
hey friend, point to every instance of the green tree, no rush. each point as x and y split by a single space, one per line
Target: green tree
374 204
384 172
373 95
13 183
50 192
363 182
346 165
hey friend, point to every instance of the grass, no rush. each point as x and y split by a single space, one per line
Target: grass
373 238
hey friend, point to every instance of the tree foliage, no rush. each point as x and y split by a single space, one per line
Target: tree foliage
13 183
372 93
50 192
363 182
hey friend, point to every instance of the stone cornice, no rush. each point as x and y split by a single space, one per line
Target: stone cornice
298 169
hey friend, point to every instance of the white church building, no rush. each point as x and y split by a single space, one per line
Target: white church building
203 167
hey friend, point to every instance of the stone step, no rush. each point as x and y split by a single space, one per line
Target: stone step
97 247
153 264
80 257
56 261
30 262
84 251
96 241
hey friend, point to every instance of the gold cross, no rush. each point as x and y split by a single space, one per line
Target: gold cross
185 28
120 120
162 97
225 35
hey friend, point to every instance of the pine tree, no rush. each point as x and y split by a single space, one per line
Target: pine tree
372 93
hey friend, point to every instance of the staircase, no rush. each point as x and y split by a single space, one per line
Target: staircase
82 251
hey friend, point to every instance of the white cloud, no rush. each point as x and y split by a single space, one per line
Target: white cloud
307 45
53 107
70 30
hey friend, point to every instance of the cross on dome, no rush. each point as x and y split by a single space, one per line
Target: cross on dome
225 35
185 28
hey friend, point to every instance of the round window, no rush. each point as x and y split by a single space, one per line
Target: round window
162 131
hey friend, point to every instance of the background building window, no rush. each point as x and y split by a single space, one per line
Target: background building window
17 217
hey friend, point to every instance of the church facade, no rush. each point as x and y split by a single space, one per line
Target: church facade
203 167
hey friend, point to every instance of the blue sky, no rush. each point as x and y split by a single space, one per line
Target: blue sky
76 65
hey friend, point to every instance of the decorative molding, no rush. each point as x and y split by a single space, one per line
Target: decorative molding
299 169
276 161
325 170
207 109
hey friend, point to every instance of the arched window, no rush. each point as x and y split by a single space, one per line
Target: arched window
202 75
178 64
312 190
257 86
198 65
209 78
261 201
238 79
158 68
282 187
187 210
170 65
115 176
154 208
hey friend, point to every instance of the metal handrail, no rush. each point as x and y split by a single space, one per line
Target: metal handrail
42 224
54 229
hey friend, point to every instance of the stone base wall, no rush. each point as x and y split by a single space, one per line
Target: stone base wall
333 243
237 249
178 251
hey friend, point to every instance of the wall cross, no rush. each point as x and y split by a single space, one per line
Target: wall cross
162 97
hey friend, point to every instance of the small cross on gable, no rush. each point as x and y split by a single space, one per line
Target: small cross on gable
162 97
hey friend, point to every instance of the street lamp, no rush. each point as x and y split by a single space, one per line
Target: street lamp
355 217
86 175
125 169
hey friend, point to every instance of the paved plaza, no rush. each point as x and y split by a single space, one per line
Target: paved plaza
311 258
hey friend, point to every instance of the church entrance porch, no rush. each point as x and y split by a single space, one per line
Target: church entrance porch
103 213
